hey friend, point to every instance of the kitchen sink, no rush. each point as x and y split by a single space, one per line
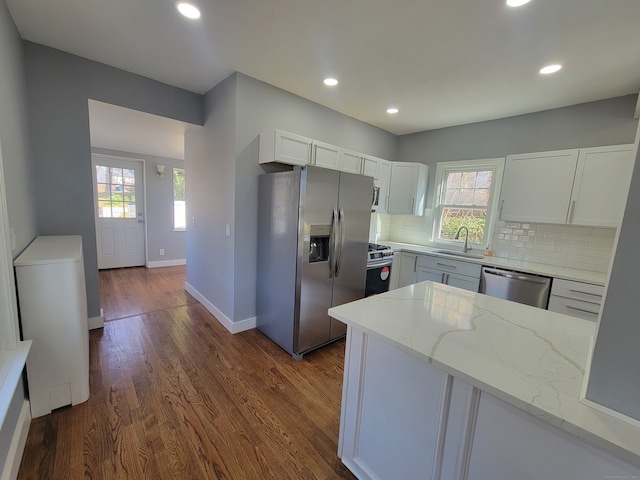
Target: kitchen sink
459 254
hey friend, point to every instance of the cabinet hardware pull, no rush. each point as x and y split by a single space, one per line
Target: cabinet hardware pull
571 210
413 202
442 279
415 264
447 279
586 293
500 209
445 265
582 310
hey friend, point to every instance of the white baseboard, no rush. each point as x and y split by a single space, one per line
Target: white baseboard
96 322
233 327
167 263
18 441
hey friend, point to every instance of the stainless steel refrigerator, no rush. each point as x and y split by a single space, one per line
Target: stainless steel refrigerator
313 234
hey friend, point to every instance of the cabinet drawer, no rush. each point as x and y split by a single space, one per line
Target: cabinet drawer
451 266
577 290
574 308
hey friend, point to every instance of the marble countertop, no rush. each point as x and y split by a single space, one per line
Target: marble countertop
530 358
519 265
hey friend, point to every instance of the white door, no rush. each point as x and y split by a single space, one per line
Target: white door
119 193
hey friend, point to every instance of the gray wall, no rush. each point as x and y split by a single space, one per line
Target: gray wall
615 370
59 86
606 122
159 206
16 157
210 166
223 160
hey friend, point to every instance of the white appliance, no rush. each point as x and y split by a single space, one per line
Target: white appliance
53 313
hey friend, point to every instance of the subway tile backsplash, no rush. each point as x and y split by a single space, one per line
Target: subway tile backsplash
583 248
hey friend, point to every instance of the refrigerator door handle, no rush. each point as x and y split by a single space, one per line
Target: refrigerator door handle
341 244
333 233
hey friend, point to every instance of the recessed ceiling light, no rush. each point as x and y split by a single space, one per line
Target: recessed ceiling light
550 69
188 10
392 110
517 3
330 82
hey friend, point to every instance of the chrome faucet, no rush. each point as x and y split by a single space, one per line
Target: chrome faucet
466 247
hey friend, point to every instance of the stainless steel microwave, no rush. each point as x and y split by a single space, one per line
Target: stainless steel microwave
376 197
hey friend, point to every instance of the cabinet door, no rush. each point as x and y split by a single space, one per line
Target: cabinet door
425 273
370 167
462 281
601 186
407 188
408 269
510 444
537 186
326 155
382 182
292 149
351 162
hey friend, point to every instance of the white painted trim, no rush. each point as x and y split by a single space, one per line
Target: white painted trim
233 327
167 263
443 422
620 416
18 441
12 364
96 322
637 112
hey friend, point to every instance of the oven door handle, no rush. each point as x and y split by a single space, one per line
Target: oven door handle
379 263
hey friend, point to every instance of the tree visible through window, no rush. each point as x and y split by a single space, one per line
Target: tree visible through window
116 192
179 200
465 198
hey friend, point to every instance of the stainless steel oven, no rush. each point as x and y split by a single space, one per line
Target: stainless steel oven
379 263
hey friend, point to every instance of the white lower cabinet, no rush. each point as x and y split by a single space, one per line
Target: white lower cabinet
403 418
510 444
408 269
578 299
391 411
465 275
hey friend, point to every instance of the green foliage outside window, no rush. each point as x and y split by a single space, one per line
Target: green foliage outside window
454 218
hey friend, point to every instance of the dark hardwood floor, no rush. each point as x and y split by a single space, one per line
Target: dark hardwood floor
175 396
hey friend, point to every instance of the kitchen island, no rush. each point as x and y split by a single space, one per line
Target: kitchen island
444 383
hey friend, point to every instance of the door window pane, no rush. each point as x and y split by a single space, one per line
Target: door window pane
116 193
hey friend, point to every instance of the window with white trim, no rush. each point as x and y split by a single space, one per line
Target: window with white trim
467 196
179 200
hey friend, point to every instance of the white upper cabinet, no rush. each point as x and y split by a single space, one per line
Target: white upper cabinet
370 166
588 186
285 147
408 188
537 186
601 186
351 162
326 155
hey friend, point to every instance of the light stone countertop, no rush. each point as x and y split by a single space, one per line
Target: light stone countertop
519 265
530 358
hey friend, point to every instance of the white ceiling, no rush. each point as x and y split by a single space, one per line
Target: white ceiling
441 62
119 128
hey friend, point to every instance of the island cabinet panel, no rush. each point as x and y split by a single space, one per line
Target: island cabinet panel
509 443
391 412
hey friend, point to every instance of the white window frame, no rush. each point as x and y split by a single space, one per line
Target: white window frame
494 164
13 352
173 196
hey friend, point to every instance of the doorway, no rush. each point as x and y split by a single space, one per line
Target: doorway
118 185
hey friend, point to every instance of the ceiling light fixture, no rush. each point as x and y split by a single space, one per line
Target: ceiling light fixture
392 110
330 82
550 69
517 3
188 10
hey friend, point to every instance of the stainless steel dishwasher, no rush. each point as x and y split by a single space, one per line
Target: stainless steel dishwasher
519 287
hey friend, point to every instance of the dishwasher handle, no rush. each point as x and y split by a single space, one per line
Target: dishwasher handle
515 275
